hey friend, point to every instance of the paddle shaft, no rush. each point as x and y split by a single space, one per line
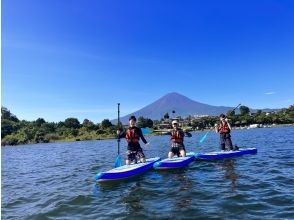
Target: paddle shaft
118 122
235 108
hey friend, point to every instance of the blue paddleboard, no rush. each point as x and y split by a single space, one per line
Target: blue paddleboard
224 154
126 171
175 162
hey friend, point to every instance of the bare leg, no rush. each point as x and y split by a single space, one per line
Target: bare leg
128 162
183 153
170 154
143 160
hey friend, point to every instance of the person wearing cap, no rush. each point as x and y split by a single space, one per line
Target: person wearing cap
224 129
133 135
177 140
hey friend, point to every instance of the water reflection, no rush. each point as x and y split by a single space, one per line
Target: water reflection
228 165
185 187
180 186
133 199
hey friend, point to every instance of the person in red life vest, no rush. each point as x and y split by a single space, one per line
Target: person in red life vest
177 140
133 135
224 129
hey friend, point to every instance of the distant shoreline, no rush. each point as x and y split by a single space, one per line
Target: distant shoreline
152 134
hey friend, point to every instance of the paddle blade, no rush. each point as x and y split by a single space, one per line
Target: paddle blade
118 161
146 131
203 138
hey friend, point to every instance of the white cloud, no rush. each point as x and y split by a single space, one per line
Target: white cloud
270 93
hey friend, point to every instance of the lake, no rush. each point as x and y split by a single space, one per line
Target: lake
57 181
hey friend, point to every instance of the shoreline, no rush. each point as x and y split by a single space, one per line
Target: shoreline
151 134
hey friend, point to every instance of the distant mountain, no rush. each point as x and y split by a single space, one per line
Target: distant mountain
182 105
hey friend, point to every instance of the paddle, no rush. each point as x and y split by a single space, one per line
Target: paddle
204 137
235 108
118 161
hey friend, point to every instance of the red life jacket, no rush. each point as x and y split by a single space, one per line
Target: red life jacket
223 128
132 136
177 136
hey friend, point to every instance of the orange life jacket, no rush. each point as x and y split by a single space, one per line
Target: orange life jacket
177 136
132 136
223 128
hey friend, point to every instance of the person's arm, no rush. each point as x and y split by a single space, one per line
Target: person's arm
121 133
183 133
228 124
142 137
216 128
188 134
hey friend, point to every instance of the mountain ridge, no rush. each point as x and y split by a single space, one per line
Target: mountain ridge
182 105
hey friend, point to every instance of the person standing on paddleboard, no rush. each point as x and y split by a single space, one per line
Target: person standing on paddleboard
224 129
133 135
177 140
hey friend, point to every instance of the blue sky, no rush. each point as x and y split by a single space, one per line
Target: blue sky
69 58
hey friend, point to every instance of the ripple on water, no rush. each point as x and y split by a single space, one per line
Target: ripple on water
56 181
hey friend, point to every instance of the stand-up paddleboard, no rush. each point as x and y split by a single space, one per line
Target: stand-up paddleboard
175 162
126 171
224 154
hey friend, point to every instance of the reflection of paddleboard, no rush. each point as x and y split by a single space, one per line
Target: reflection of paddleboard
224 154
126 171
175 162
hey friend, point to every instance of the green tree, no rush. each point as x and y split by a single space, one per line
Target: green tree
106 124
60 124
7 127
40 121
258 112
9 140
72 123
144 122
231 113
244 110
5 114
39 137
48 127
89 125
86 122
166 116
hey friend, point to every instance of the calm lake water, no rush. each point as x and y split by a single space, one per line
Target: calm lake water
57 181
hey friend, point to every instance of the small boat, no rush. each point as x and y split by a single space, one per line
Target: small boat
224 154
126 171
175 162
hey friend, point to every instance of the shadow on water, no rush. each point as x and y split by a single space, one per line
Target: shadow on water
228 166
114 185
185 188
179 185
132 199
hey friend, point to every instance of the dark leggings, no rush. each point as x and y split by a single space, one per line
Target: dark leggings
225 140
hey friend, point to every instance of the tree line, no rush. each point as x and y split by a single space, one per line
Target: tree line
15 131
246 118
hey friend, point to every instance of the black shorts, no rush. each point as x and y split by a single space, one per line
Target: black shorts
176 148
134 155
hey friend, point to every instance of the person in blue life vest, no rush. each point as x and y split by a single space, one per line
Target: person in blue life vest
177 140
133 135
224 129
